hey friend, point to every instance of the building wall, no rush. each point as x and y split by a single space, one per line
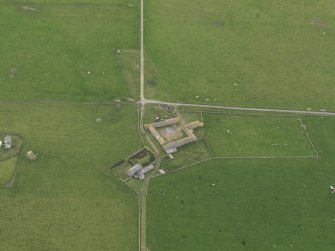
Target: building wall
188 129
180 142
166 122
157 136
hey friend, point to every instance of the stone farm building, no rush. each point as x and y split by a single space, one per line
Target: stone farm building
171 147
8 142
138 172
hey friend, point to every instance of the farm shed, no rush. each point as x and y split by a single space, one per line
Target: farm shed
8 142
135 170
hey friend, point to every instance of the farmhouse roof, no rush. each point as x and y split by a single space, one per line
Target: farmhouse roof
133 170
163 123
147 168
157 136
8 141
171 147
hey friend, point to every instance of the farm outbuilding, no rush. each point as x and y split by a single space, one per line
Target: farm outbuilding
134 170
147 169
157 136
8 142
171 147
138 172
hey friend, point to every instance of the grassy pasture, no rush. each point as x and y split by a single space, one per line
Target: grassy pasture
17 142
129 63
253 204
64 200
228 135
7 170
276 54
255 136
121 170
48 49
186 155
69 2
8 159
151 111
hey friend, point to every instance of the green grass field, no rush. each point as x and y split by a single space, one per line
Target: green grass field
152 111
66 51
17 143
64 62
256 136
7 170
242 136
276 54
187 155
248 205
121 170
64 200
8 159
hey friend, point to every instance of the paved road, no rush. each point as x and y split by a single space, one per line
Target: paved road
142 198
142 51
150 101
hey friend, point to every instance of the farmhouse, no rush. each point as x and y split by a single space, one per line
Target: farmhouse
134 171
8 142
171 146
138 172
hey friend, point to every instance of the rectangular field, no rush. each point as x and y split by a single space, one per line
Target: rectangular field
64 200
186 155
247 204
256 136
276 54
66 51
